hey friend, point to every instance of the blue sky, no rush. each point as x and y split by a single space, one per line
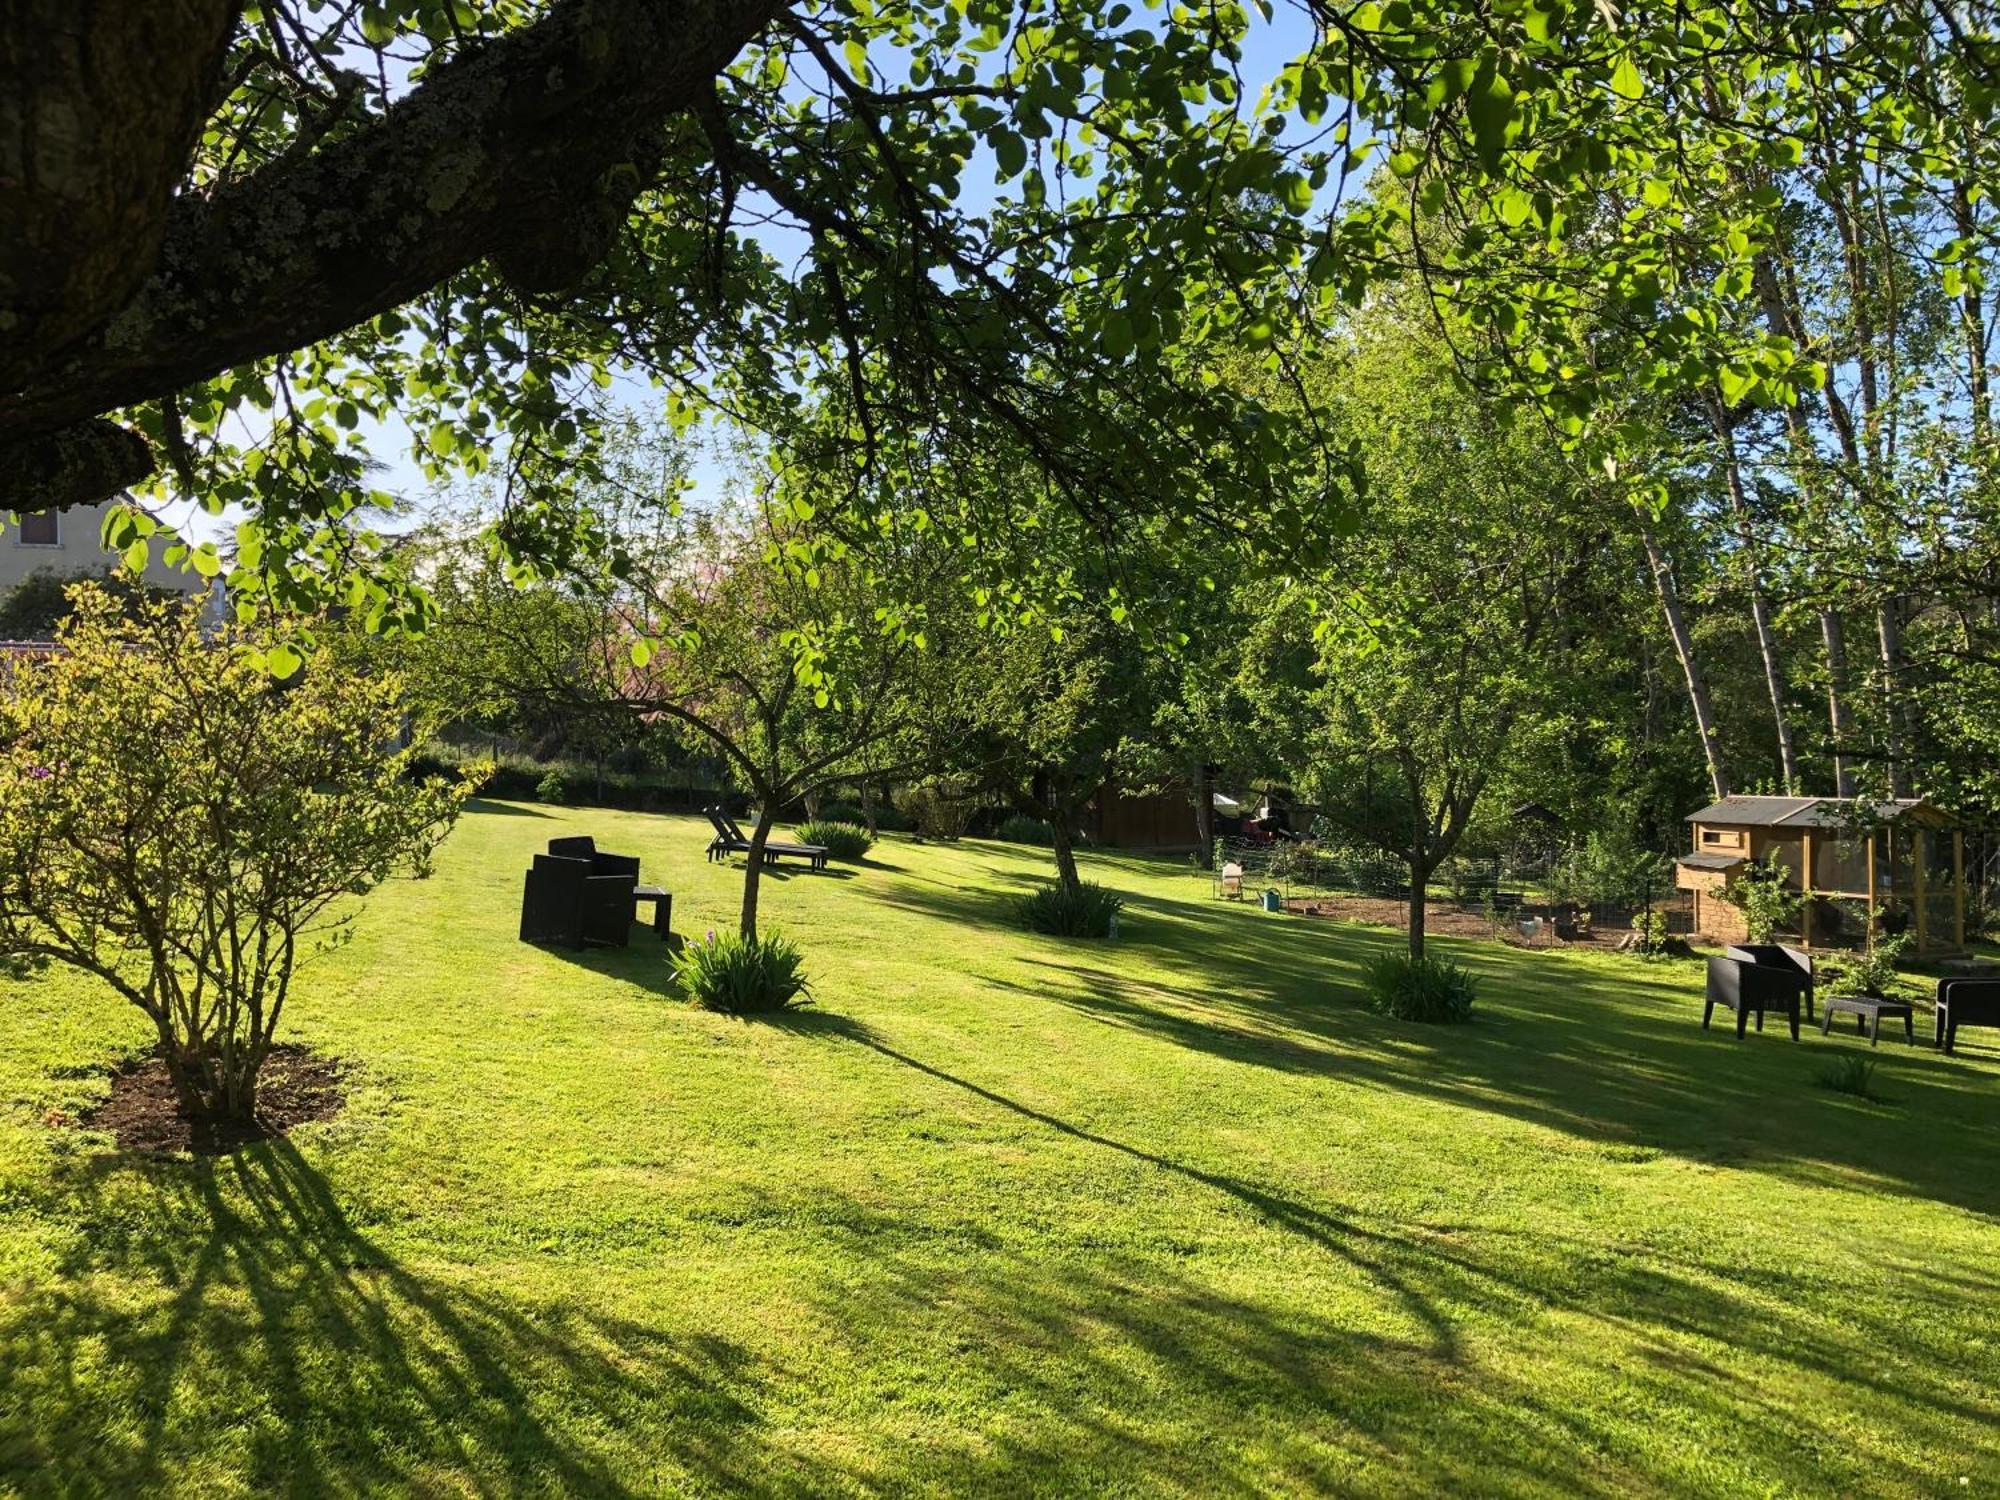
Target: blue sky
1269 45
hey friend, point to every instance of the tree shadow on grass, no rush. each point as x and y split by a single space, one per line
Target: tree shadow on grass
1615 1055
231 1322
504 809
1410 1386
238 1288
1135 1373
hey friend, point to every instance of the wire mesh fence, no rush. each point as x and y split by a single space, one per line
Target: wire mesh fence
1487 896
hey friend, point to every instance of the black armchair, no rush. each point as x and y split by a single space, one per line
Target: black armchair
562 901
1778 956
584 847
1743 986
1964 1002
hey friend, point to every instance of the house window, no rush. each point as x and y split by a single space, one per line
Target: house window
40 528
1722 838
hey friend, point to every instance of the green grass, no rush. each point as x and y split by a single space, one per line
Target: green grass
1005 1215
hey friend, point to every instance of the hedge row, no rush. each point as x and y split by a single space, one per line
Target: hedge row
518 779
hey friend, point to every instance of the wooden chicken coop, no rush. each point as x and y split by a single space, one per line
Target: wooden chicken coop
1864 867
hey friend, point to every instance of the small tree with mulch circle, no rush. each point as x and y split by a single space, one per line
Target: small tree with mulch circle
188 814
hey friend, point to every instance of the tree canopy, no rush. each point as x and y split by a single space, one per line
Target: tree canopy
247 235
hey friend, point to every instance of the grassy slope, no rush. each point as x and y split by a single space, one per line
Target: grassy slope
1007 1215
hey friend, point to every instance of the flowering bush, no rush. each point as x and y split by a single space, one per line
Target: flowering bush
176 823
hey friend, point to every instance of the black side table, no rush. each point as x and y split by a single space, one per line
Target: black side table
663 907
1868 1013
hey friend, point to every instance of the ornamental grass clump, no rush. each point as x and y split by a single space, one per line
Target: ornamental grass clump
1419 989
844 841
1086 910
741 976
1850 1074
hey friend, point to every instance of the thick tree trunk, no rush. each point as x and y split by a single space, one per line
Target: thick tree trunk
1204 813
1065 852
754 869
1760 614
1697 684
525 151
868 806
99 108
213 1085
1420 875
1839 722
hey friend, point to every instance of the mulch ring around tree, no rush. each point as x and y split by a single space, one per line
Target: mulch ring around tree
295 1087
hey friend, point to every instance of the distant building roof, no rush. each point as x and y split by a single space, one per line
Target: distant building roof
1539 812
1809 812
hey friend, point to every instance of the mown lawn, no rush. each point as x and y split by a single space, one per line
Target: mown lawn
1004 1215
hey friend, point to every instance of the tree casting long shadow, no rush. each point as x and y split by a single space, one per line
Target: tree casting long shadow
1432 1404
244 1286
1614 1056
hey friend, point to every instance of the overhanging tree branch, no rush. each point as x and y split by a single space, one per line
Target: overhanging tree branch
524 150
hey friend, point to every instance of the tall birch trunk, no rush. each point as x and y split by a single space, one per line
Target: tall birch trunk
1677 628
1760 614
1838 719
1889 636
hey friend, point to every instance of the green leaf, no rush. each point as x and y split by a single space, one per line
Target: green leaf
1118 338
1490 107
857 59
1011 152
1626 80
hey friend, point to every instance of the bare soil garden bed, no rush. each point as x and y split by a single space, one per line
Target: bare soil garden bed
296 1086
1441 919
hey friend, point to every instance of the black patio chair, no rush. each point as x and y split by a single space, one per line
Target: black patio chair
1744 986
563 901
1778 956
584 847
1964 1002
729 839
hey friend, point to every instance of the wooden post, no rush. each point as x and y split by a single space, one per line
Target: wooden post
1805 885
1917 875
1958 884
1869 924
